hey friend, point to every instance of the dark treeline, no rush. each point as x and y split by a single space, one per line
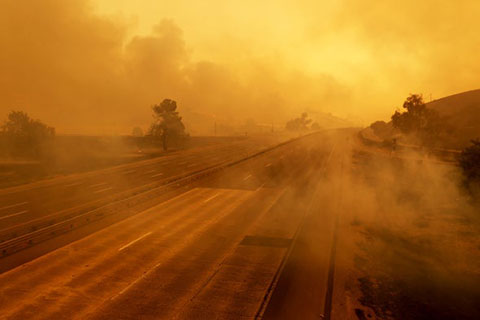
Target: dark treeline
24 137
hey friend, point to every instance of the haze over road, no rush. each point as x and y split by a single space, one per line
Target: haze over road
24 203
307 229
213 250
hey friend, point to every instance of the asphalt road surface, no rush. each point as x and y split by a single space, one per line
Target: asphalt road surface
33 201
234 245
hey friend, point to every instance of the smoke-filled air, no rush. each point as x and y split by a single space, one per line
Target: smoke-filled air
214 159
93 66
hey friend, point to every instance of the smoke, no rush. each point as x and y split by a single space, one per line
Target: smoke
85 71
409 232
81 73
60 63
410 46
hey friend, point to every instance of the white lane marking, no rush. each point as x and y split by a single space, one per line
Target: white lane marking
130 171
13 205
13 215
98 184
134 282
154 268
268 165
247 177
73 184
260 187
211 198
150 171
157 175
134 241
103 190
191 165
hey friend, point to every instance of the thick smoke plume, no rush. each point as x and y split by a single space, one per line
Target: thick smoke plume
81 73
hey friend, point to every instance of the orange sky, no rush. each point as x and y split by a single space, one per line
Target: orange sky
96 66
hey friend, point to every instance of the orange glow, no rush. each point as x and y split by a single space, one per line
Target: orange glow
96 66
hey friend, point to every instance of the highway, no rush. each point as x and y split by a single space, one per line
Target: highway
220 247
37 204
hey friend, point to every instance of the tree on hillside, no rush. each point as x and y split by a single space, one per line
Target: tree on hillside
24 136
469 161
299 124
168 125
418 120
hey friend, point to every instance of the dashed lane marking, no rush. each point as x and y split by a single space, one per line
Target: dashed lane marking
211 198
98 184
260 187
247 177
73 184
13 205
134 241
14 214
157 175
103 190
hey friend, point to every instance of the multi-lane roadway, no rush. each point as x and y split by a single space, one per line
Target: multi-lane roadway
27 202
214 248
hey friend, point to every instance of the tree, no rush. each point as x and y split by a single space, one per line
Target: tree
469 162
418 120
167 125
24 136
299 124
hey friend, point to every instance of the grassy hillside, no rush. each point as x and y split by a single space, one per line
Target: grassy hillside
462 112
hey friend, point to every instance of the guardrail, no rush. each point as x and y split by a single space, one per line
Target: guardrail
31 233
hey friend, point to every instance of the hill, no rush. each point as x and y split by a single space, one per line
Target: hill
462 114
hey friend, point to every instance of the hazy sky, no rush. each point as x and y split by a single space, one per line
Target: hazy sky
97 66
